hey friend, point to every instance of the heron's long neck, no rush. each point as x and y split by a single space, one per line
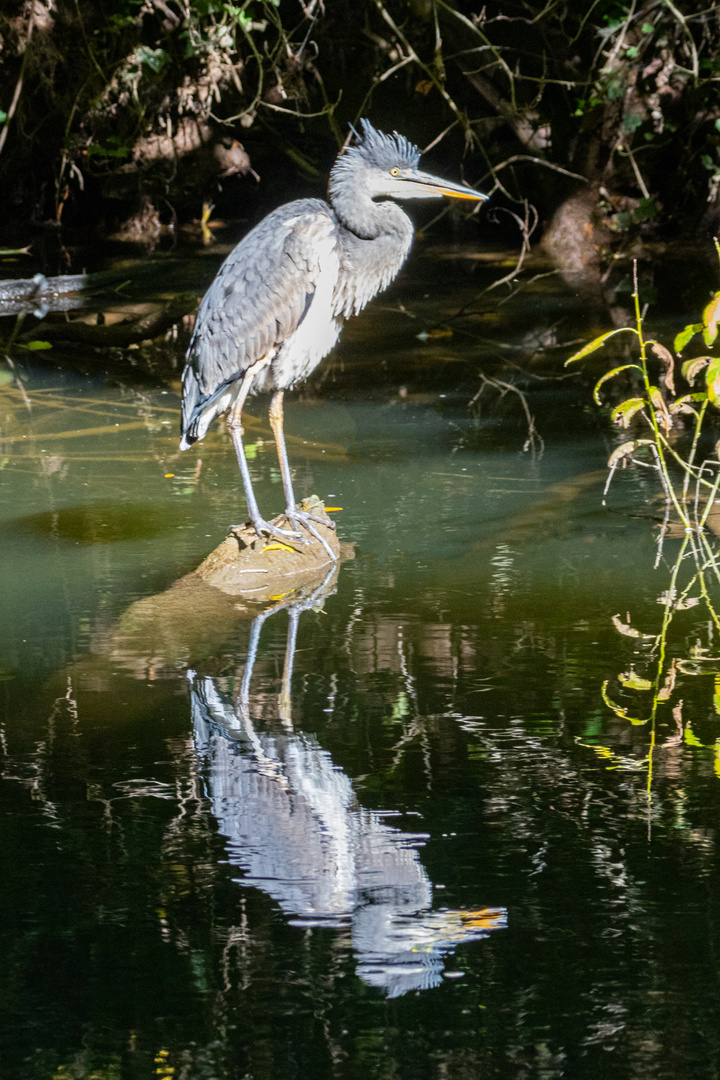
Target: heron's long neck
367 219
374 242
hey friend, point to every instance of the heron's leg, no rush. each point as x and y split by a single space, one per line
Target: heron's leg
234 423
293 514
277 417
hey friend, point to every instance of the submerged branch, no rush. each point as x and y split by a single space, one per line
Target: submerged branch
120 335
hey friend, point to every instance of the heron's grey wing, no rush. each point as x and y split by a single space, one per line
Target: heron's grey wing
262 291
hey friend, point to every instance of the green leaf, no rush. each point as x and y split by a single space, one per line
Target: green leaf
624 450
632 122
685 335
711 317
155 59
712 377
645 210
624 412
3 116
609 375
682 404
647 28
98 150
597 343
36 346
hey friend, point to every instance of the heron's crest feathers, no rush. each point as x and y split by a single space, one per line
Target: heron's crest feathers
382 151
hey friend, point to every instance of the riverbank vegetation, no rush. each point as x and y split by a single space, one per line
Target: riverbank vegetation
595 122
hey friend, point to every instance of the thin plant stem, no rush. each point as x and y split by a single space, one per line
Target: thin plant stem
693 448
669 490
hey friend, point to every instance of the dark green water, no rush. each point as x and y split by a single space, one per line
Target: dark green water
456 860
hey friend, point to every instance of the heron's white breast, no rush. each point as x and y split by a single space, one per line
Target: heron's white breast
319 328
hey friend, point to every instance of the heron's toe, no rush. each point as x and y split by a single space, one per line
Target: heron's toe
271 532
296 516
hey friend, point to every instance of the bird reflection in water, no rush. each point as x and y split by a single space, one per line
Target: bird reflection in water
294 827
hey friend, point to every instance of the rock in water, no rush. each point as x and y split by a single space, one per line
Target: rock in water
259 569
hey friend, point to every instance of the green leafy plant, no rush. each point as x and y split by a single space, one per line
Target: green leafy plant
690 488
662 659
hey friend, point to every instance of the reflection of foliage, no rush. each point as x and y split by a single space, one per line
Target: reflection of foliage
667 660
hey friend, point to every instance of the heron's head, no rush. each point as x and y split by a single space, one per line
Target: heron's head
386 166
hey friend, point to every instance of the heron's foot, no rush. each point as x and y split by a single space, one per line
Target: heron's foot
266 531
326 521
301 517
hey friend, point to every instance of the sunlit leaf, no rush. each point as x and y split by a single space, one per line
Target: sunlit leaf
686 335
625 449
716 695
691 367
669 361
597 343
713 381
610 375
633 681
682 405
690 738
624 412
36 346
711 317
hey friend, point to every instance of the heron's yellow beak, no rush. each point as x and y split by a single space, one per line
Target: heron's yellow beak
423 184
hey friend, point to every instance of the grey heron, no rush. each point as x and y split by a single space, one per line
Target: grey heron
278 302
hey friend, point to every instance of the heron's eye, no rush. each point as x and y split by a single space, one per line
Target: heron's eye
395 172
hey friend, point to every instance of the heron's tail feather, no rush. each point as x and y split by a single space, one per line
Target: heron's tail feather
190 395
199 410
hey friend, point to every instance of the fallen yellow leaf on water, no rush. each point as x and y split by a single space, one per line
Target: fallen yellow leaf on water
329 508
169 475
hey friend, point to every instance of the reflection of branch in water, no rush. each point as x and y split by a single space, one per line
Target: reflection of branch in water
293 825
534 441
